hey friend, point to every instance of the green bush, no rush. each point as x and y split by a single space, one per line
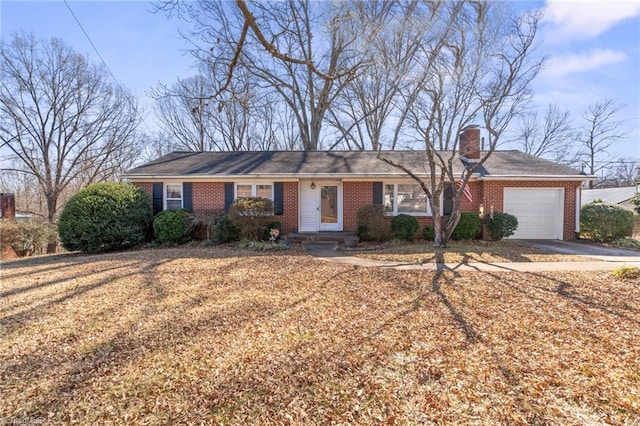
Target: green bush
501 225
26 237
429 233
105 216
404 227
605 222
172 227
252 216
636 202
372 223
468 228
224 231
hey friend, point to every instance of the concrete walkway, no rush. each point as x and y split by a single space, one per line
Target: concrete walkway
604 259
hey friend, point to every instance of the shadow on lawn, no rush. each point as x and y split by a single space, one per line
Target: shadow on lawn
174 329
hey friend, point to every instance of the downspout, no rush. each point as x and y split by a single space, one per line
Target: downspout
578 206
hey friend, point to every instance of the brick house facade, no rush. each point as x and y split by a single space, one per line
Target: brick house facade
316 191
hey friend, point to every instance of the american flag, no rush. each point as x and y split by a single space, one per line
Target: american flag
467 191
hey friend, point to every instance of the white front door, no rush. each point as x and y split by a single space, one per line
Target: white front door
320 206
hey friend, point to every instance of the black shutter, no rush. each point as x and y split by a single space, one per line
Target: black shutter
377 192
187 196
228 195
278 198
157 197
447 202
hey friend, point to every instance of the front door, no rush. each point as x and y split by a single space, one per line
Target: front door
320 206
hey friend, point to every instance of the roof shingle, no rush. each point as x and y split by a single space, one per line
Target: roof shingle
331 164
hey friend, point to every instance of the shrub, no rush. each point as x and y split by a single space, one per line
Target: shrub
636 202
261 245
172 227
252 216
268 231
604 222
501 225
626 272
203 223
404 227
105 216
372 224
26 237
468 228
224 231
429 233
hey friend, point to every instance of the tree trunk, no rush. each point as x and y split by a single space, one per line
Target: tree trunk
52 204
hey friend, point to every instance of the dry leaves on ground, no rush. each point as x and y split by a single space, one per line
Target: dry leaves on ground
464 252
221 336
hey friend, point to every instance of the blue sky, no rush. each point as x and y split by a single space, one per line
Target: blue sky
593 49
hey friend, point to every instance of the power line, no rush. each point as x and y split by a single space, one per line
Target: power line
95 49
93 45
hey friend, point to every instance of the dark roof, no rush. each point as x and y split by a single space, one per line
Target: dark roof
332 163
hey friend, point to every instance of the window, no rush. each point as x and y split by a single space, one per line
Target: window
245 190
405 198
173 196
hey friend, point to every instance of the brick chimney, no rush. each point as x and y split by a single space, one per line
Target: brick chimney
7 206
469 144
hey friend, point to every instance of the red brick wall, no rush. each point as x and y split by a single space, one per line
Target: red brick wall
493 192
289 219
208 196
354 196
146 187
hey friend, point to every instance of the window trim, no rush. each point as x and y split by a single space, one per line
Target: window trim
395 212
165 196
254 188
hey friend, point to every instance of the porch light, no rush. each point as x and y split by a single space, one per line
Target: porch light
313 185
481 210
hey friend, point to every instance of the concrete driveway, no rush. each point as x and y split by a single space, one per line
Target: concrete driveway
586 249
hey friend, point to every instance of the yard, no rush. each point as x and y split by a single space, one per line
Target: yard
223 336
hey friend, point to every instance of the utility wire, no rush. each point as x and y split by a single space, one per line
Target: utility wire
102 59
93 45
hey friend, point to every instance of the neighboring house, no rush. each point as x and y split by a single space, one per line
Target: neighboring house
620 196
322 191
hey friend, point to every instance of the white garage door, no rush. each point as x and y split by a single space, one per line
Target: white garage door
540 212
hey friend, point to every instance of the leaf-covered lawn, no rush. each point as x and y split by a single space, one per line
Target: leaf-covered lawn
463 252
215 335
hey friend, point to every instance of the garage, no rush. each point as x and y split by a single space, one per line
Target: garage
540 212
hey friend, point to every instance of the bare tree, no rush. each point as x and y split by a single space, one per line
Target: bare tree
601 129
550 138
60 119
193 121
28 197
476 69
620 173
393 37
185 112
302 51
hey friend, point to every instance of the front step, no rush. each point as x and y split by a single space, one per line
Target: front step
310 245
340 237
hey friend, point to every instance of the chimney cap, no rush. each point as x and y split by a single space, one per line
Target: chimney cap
471 126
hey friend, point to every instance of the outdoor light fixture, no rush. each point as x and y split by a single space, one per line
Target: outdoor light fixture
313 185
481 210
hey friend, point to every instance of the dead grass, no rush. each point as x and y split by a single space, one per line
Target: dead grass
221 336
464 252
